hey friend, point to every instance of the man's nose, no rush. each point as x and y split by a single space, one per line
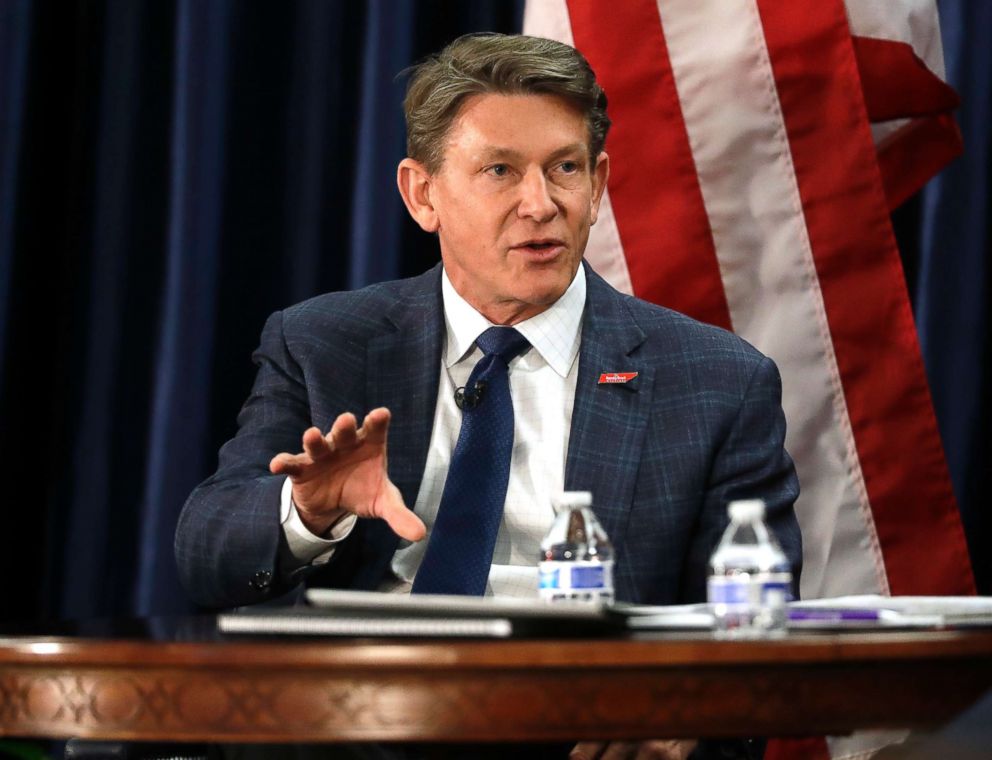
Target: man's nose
536 201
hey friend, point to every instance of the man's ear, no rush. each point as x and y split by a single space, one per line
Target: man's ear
599 177
414 182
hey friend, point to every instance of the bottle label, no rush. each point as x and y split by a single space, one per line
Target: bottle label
548 577
584 579
750 589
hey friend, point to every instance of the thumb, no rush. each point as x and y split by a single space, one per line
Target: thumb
401 520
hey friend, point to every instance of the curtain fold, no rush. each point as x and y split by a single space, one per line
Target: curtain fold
377 210
187 331
91 528
15 34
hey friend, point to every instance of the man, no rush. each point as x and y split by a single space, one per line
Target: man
506 166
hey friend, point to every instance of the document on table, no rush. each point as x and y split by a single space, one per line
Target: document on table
666 617
875 611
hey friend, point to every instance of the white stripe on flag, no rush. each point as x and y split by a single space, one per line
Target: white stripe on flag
914 22
548 19
605 251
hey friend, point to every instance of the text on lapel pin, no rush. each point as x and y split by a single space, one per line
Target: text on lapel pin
608 378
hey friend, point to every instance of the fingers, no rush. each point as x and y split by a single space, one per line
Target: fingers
671 749
316 446
292 465
375 426
343 434
347 467
621 751
668 749
587 751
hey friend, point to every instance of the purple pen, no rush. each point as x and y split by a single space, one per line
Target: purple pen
832 614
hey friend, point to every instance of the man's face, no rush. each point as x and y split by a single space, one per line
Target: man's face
513 202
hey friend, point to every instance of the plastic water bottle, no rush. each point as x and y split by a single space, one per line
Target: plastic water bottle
750 579
576 554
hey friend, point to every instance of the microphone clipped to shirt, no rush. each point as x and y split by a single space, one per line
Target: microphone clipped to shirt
469 398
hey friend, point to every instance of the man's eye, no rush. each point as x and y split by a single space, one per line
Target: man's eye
498 170
569 167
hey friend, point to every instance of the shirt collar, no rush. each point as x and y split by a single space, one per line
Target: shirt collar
555 333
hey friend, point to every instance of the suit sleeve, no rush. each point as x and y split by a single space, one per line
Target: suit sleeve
751 462
228 539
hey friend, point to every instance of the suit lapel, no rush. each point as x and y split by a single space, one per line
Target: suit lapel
403 366
608 420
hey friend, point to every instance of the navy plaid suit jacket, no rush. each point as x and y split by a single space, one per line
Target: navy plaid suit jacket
701 424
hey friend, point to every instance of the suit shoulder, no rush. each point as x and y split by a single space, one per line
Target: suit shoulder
359 313
673 332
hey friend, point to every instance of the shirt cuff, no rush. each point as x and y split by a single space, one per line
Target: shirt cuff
304 546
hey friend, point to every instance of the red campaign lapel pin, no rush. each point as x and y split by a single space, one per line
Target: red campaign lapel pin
612 378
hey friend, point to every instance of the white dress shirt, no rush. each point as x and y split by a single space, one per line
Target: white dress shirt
542 389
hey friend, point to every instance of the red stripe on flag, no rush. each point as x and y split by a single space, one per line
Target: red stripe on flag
867 306
914 154
897 84
653 186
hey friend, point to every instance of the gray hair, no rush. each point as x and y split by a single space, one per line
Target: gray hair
496 63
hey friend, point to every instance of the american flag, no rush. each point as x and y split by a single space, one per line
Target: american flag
758 148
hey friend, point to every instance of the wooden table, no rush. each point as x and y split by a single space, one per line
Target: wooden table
464 690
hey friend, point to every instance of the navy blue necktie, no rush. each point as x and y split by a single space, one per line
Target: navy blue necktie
460 549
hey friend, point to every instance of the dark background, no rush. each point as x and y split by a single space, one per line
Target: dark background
172 172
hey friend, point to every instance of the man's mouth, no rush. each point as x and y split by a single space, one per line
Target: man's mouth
541 246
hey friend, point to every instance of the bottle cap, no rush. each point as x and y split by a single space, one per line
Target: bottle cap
746 510
569 499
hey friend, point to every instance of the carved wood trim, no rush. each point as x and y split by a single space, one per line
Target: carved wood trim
389 703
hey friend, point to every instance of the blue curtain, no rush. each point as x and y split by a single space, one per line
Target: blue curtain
954 281
171 173
15 32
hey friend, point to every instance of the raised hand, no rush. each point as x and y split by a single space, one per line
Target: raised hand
345 471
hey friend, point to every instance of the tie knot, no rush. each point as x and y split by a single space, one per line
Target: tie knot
505 342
